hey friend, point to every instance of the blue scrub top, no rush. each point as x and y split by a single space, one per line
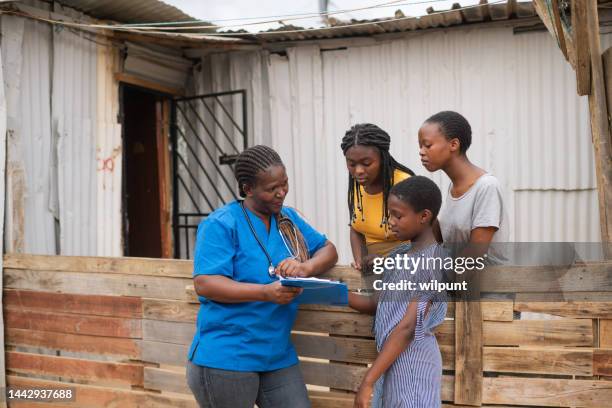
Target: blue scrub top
248 336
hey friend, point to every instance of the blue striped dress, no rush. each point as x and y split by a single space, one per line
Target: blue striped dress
414 379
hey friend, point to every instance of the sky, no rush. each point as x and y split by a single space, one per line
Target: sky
271 11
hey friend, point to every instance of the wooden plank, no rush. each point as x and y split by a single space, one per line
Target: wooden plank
542 10
73 324
600 126
554 392
349 350
581 41
605 333
501 311
334 323
572 309
162 110
170 310
97 284
103 397
468 353
168 332
345 349
561 361
76 369
164 353
132 266
354 324
113 306
340 376
145 83
127 348
166 380
602 362
326 399
562 332
592 277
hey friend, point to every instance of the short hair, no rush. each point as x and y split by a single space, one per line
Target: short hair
251 161
453 125
420 193
367 134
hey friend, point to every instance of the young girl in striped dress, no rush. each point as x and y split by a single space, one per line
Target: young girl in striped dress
408 354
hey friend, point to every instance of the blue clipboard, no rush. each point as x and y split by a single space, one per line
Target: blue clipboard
319 291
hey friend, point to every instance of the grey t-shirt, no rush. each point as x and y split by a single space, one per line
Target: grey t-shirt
481 206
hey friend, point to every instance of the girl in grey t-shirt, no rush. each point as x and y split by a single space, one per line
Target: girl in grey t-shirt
474 210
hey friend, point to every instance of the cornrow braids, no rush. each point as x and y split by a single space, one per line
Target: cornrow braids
453 126
367 134
251 161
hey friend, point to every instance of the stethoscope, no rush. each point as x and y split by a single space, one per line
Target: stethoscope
263 248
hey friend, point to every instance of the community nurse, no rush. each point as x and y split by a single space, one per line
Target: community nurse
241 353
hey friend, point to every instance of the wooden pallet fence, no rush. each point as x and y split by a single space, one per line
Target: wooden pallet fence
117 331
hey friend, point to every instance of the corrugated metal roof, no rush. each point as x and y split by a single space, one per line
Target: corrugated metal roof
133 11
457 15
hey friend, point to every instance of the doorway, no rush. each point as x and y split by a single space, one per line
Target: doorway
146 195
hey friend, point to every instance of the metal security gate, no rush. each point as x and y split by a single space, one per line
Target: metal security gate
207 132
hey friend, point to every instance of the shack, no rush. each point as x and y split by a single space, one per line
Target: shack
118 138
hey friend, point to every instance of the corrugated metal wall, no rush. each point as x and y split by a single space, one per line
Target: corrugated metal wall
63 125
530 128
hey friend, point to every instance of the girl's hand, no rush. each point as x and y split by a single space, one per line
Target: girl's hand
356 265
364 395
293 268
276 293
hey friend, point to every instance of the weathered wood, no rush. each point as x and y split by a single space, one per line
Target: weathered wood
73 324
542 10
600 126
104 397
166 380
546 392
339 376
581 41
562 332
354 324
326 399
132 266
162 110
602 362
164 353
605 333
575 309
123 347
76 369
349 350
501 311
560 32
168 332
97 284
345 349
170 310
560 361
468 353
113 306
595 277
145 83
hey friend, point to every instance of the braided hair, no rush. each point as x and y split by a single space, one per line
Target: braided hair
248 164
367 134
251 161
453 126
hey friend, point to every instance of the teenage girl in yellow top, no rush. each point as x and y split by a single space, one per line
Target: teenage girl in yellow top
372 173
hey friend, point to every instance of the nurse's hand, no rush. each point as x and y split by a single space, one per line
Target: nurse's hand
293 268
276 293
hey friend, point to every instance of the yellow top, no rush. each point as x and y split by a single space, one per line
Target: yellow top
372 214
